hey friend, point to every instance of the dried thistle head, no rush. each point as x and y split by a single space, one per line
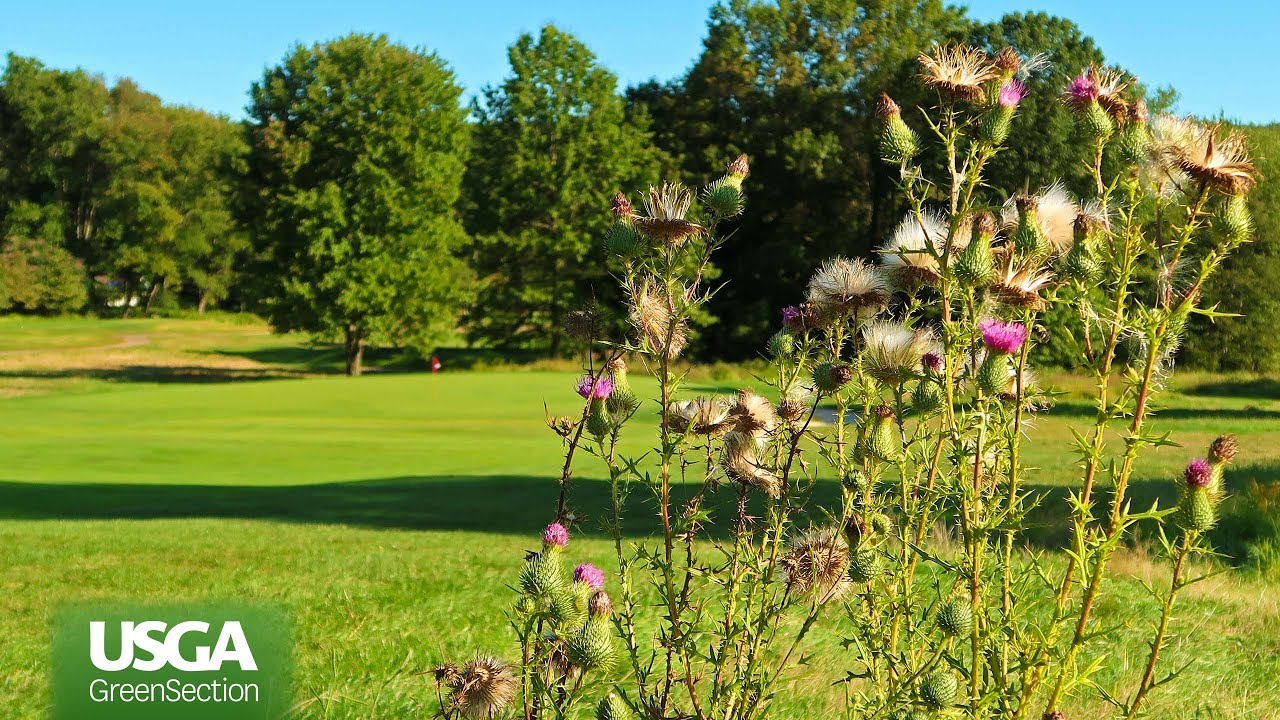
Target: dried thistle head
886 108
1220 161
740 167
817 562
482 689
651 315
1223 449
700 416
740 462
1055 212
911 251
842 286
665 209
958 71
752 414
582 324
1007 61
892 352
621 207
1020 285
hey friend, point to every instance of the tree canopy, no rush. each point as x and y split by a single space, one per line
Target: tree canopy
357 150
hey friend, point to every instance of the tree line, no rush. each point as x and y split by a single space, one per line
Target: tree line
364 199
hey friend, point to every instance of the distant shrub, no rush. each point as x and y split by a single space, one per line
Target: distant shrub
40 276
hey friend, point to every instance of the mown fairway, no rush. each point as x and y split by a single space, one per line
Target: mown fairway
184 460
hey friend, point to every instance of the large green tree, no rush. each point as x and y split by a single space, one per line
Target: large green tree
552 143
357 151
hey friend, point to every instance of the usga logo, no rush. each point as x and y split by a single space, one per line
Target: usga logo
152 645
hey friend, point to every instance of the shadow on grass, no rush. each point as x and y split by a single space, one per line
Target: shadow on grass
1088 410
189 374
500 504
1268 388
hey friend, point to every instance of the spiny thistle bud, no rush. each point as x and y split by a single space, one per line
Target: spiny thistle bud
898 143
1234 220
599 424
569 607
723 197
1097 122
926 397
955 618
621 405
996 123
855 480
994 374
782 345
1080 262
1197 507
881 438
593 648
581 324
829 377
623 240
975 266
907 715
881 524
612 707
543 575
938 690
1029 239
864 565
1135 139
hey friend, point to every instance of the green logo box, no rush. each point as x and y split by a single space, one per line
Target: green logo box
122 661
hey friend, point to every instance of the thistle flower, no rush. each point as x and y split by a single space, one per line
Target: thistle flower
739 460
1002 337
482 689
664 219
590 575
738 169
700 416
752 414
1011 93
598 387
1223 449
893 352
1198 473
1083 89
622 206
958 71
555 536
911 250
817 562
791 318
1085 94
932 361
842 286
1019 286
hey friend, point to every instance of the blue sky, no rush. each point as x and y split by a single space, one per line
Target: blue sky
1218 54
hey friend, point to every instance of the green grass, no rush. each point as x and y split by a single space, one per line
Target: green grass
389 513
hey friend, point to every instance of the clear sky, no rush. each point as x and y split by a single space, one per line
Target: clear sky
1218 53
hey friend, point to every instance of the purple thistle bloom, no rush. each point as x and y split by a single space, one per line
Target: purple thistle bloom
790 316
1012 93
1199 473
1003 337
555 536
1083 88
589 574
932 361
599 387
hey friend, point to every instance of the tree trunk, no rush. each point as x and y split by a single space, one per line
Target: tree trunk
204 303
354 350
128 298
151 296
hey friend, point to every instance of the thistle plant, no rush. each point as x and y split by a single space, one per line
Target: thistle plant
906 383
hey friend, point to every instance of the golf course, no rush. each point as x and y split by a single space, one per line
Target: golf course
176 460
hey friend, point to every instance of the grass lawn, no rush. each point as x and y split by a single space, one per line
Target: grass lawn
205 459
